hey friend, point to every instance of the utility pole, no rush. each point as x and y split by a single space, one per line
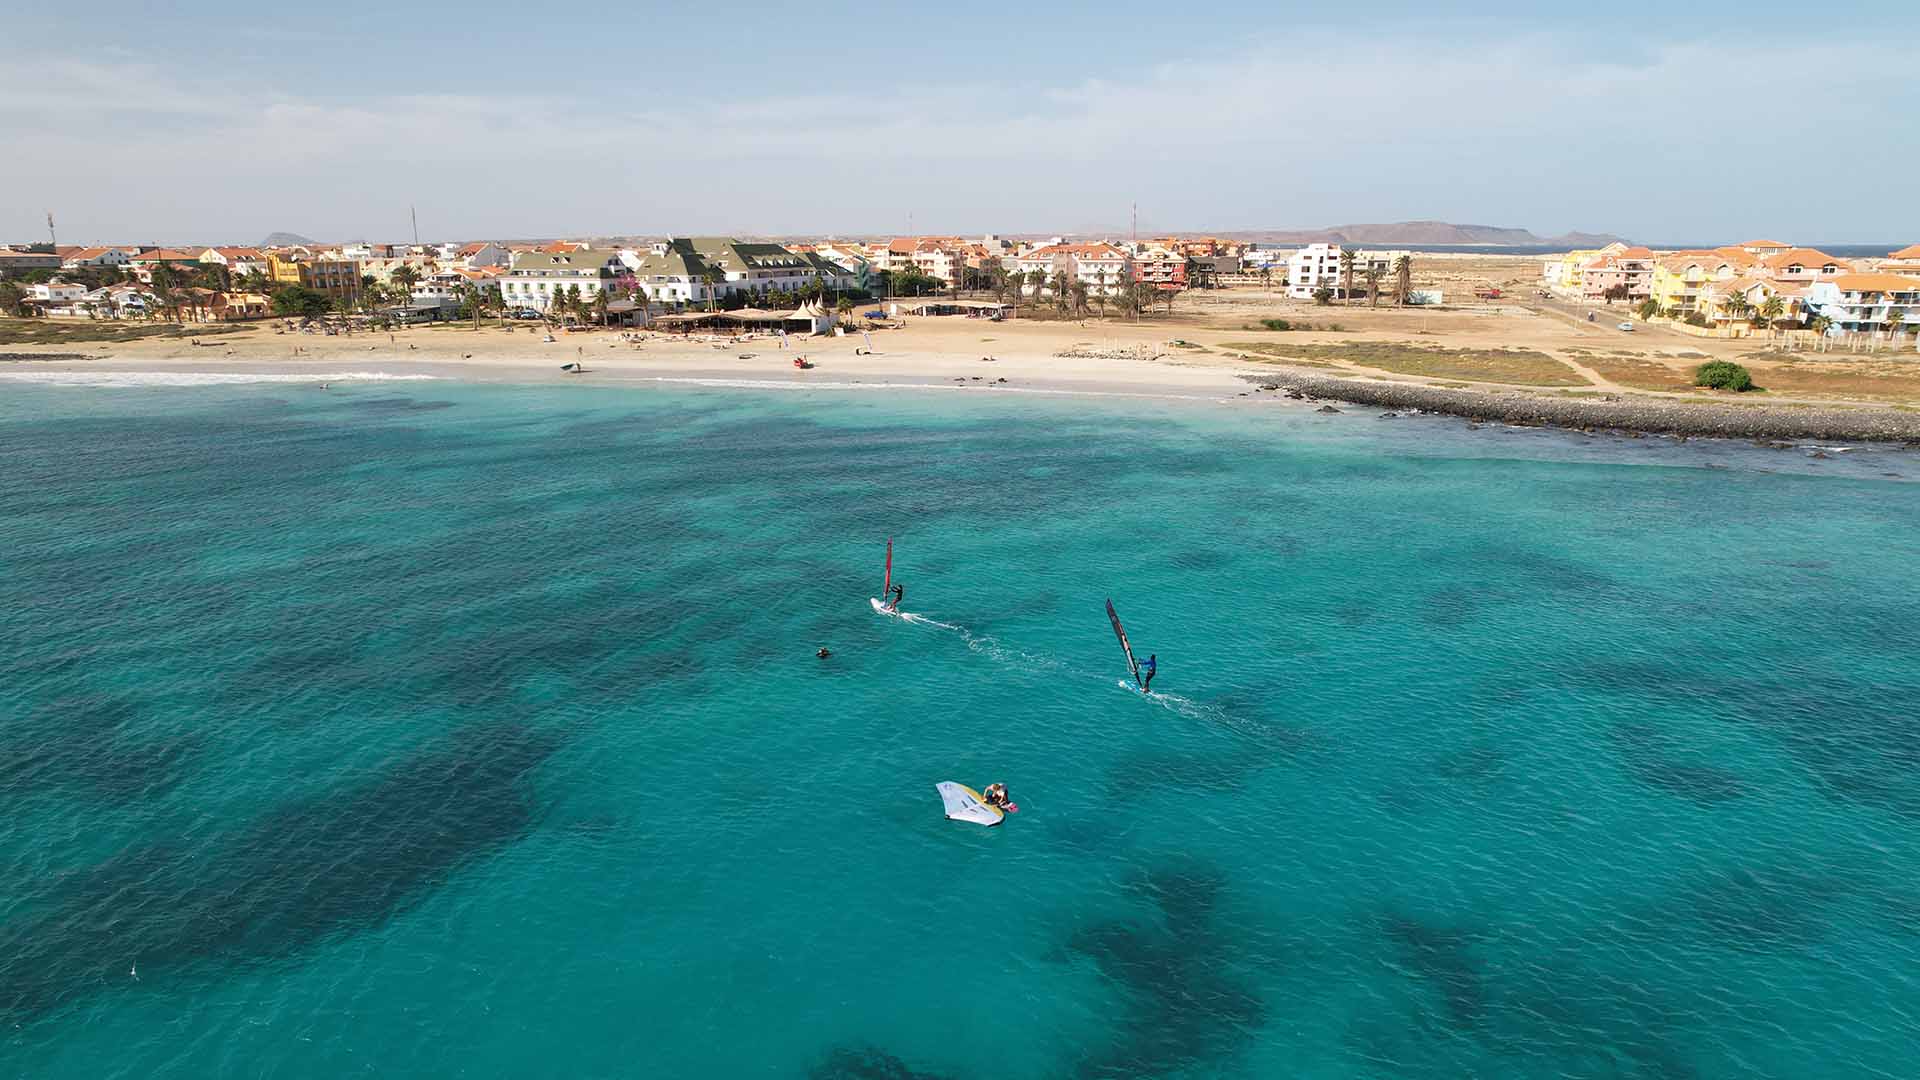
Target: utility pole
1134 230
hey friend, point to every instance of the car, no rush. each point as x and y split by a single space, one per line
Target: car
1627 326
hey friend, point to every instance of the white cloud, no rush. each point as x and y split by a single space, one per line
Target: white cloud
1686 141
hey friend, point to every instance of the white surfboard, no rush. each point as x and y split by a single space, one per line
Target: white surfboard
962 803
881 607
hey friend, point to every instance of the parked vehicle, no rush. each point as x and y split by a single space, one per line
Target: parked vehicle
1627 326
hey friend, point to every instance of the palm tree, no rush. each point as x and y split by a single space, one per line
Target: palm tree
1059 286
1737 307
1323 296
1820 324
1374 274
1771 311
1894 321
1346 271
1079 292
599 305
404 276
1403 279
713 277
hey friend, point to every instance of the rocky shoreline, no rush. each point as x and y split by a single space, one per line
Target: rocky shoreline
1610 413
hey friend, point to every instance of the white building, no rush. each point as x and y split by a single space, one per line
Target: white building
98 256
1864 303
1104 268
1318 266
537 276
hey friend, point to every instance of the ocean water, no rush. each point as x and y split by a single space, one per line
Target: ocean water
420 728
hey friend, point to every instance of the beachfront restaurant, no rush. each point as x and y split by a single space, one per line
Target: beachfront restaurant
973 309
808 318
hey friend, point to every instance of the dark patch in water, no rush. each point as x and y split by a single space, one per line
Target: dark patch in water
1764 911
866 1063
339 863
1481 765
93 742
1201 559
397 405
1442 958
1185 1008
1644 751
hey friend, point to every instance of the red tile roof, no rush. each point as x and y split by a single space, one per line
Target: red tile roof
1912 251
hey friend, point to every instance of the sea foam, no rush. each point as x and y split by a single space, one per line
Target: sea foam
198 378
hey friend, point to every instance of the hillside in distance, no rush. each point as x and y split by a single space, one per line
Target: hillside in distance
1423 233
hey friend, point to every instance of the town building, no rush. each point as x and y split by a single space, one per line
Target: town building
1801 266
1161 268
237 261
1904 261
536 277
1715 302
1606 277
96 256
337 279
1678 278
1104 268
142 264
481 253
1867 303
1318 266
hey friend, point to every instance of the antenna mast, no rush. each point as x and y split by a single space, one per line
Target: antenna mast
416 224
50 236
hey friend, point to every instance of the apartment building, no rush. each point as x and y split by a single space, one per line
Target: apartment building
536 277
337 279
1866 303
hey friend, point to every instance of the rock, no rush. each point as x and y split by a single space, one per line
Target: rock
1389 416
1326 408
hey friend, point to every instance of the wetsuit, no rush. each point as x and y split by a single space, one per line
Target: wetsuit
899 594
1146 673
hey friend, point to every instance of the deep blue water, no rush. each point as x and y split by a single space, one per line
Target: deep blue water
432 729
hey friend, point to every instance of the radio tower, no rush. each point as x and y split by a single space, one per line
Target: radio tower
1133 233
50 237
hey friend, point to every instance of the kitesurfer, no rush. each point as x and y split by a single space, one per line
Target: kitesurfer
996 796
1146 673
899 594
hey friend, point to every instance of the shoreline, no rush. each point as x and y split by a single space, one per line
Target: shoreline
1108 360
1642 416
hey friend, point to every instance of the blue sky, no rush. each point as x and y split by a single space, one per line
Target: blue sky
221 122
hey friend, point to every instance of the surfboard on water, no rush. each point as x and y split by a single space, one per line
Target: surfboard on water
962 803
1133 666
882 608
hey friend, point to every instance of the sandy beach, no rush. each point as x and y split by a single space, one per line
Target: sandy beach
1523 356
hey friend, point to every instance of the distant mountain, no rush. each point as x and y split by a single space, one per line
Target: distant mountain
1424 233
285 239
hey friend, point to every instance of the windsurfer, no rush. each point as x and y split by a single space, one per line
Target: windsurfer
899 594
1146 672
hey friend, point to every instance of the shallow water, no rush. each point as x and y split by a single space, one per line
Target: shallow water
419 728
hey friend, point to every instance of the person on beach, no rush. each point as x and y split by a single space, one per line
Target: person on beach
899 594
1147 671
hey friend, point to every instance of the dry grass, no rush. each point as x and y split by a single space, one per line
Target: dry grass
1522 367
1865 380
48 332
1641 374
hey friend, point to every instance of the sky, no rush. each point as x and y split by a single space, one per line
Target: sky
220 123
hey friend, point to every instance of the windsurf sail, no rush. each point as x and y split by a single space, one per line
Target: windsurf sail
888 587
965 804
1132 664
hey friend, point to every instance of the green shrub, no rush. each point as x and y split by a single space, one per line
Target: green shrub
1723 375
1648 309
1276 324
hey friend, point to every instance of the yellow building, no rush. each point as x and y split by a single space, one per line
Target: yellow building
337 279
1678 278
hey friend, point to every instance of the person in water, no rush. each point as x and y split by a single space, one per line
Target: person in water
996 795
823 653
1146 672
899 594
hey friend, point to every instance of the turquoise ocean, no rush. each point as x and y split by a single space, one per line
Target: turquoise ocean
428 728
